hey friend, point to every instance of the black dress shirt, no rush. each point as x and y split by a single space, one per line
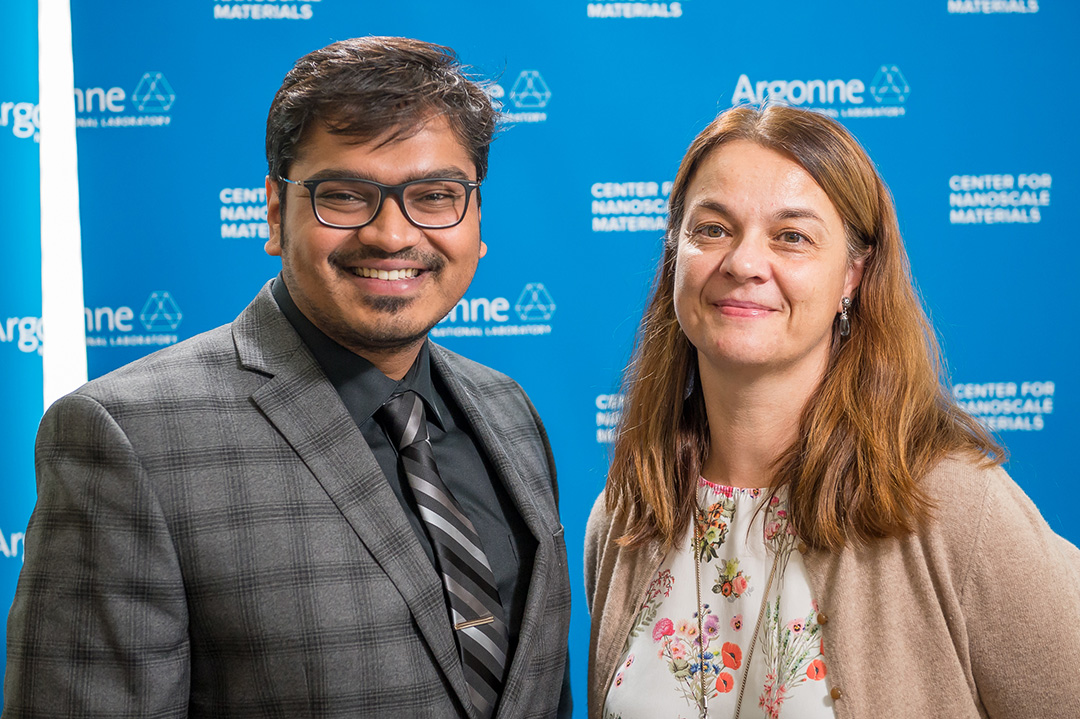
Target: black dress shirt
509 545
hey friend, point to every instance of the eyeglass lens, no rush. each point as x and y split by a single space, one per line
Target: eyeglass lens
435 203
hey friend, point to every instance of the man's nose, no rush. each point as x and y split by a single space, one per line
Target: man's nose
391 230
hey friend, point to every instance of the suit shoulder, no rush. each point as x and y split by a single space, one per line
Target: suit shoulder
196 365
483 377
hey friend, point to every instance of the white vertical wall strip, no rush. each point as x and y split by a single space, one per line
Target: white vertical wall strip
64 348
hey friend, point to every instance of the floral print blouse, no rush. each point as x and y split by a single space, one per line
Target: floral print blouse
665 656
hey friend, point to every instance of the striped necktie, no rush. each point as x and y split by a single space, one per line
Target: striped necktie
475 609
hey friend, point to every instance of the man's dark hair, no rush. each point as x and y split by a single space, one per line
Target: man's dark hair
368 86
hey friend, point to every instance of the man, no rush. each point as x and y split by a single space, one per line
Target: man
313 512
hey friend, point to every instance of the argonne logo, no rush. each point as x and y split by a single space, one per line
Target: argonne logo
160 312
535 303
115 326
490 316
22 117
530 90
529 95
153 93
12 546
108 107
836 97
889 86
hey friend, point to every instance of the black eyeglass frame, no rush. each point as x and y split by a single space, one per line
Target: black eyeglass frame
386 190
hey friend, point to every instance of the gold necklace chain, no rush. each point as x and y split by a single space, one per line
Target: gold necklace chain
703 705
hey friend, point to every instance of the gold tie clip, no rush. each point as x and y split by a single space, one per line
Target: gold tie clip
475 622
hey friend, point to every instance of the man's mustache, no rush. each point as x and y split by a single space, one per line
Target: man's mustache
429 261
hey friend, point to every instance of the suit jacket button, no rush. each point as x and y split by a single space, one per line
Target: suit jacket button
822 618
835 693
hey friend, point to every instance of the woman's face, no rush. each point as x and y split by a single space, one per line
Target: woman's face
762 262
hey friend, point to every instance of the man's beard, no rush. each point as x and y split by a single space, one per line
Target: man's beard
384 334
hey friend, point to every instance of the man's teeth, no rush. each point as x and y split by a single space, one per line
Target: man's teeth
405 274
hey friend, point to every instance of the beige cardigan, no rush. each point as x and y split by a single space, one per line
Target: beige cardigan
976 615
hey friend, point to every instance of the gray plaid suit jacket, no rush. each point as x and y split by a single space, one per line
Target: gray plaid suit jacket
213 538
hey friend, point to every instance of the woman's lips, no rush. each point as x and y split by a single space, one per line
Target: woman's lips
742 308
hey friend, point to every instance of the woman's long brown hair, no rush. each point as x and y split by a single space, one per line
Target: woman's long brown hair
879 421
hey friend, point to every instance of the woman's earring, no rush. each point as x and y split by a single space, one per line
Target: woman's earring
845 321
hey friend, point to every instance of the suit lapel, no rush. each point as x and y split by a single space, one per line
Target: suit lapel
491 444
495 447
305 408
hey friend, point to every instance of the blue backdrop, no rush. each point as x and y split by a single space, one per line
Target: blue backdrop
963 104
20 292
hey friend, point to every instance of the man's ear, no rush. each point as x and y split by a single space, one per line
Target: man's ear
273 218
483 245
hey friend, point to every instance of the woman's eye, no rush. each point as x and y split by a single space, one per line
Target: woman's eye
793 238
712 231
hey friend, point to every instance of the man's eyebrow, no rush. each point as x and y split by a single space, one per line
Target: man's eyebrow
337 173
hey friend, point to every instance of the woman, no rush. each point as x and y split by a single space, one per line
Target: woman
798 521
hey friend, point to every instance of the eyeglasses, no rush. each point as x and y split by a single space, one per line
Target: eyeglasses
348 203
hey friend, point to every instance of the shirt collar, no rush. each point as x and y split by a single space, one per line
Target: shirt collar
362 387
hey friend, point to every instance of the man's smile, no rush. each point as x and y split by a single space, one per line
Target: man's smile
392 275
